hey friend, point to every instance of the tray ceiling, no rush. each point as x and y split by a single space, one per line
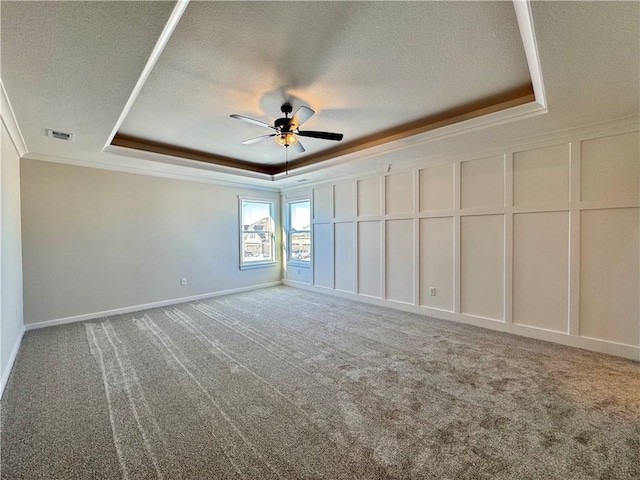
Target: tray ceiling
393 77
374 71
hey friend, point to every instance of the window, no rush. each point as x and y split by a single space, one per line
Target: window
257 233
299 232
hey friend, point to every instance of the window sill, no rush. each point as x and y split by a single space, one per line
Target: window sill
251 266
298 264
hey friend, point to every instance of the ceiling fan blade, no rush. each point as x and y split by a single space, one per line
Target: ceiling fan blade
323 135
296 147
258 139
251 120
302 115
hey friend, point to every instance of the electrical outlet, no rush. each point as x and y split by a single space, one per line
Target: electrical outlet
432 291
183 281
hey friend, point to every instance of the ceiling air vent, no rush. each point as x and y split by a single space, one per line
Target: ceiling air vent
59 135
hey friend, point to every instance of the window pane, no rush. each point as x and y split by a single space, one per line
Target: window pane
256 246
257 232
256 213
300 246
300 215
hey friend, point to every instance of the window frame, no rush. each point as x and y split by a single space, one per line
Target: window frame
289 231
271 262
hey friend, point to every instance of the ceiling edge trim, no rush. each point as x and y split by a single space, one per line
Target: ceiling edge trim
455 120
11 124
618 126
510 106
194 157
147 171
527 33
167 157
449 128
445 128
159 47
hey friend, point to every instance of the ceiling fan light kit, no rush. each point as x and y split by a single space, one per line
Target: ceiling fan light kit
286 139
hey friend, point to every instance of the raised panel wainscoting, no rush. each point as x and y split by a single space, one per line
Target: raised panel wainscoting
539 238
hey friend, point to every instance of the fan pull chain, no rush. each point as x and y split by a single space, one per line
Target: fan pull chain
286 160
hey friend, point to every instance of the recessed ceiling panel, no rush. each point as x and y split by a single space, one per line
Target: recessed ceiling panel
366 68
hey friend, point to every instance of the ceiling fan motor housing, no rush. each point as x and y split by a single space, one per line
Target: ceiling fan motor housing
283 124
286 109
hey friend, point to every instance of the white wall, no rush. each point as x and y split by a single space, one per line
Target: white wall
11 327
538 238
95 241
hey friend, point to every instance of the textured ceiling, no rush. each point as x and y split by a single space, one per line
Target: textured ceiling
72 66
364 67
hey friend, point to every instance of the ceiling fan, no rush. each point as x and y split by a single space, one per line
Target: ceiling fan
287 128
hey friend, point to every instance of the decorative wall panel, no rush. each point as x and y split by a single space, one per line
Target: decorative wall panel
437 262
343 200
610 169
369 259
541 270
322 203
399 193
344 257
482 182
322 259
369 196
436 188
541 176
609 285
482 266
399 260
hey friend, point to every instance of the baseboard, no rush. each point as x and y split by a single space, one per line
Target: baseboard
593 344
7 370
146 306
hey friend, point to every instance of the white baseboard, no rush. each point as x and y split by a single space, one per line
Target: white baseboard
597 345
7 370
146 306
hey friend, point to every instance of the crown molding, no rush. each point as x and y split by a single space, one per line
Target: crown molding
168 159
174 18
513 105
453 127
196 177
527 33
617 126
10 123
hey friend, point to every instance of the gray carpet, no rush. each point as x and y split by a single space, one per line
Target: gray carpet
285 384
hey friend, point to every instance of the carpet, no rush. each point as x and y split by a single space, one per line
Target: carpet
283 383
